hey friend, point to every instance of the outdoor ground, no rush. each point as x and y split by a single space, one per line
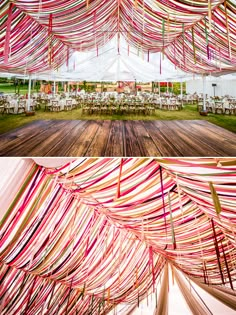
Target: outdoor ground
10 122
10 88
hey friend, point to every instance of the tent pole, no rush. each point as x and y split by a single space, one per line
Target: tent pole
204 92
29 93
159 88
54 87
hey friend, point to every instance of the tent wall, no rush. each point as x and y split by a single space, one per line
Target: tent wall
223 87
13 172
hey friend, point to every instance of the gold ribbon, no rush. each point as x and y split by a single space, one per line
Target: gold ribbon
215 198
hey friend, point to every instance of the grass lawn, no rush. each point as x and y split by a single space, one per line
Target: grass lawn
10 122
10 88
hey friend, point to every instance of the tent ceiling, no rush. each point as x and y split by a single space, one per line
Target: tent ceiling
101 231
196 36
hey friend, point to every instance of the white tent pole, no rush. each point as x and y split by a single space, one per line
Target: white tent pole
204 92
168 87
118 69
54 87
181 92
159 88
29 93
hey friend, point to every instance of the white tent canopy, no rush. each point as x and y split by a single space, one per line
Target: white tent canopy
107 64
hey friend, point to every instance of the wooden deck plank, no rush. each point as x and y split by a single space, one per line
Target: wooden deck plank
131 143
146 143
165 147
41 142
220 139
118 138
115 143
206 145
82 143
176 138
58 138
196 145
99 142
19 136
67 142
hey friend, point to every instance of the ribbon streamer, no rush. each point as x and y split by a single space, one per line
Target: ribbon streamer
227 29
194 47
172 223
215 198
8 33
119 177
217 251
183 48
209 14
50 40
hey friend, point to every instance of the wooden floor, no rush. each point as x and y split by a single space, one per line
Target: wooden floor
118 138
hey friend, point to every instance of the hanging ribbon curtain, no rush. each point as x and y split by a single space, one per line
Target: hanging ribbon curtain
194 47
139 15
207 41
50 38
227 28
8 33
183 34
209 14
75 246
215 198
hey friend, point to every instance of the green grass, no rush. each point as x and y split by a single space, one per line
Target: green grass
10 88
10 122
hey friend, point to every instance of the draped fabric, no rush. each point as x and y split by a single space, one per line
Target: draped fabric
162 303
92 233
228 298
195 304
196 36
10 189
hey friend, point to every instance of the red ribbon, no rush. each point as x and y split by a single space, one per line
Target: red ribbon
118 185
152 266
227 267
8 33
163 200
217 251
